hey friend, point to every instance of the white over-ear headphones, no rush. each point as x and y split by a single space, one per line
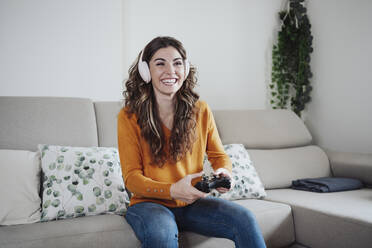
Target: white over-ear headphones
144 69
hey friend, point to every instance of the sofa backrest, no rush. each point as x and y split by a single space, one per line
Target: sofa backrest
277 140
262 129
256 129
277 168
106 113
26 122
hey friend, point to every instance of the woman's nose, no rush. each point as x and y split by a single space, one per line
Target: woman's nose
170 69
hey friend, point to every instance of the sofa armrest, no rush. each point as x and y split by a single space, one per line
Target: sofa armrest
349 164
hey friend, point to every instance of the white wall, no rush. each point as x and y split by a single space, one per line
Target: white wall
82 48
61 48
340 115
228 41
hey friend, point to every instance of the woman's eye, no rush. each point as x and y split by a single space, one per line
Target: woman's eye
178 63
160 64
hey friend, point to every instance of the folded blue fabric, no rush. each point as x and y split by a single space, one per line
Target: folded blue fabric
327 184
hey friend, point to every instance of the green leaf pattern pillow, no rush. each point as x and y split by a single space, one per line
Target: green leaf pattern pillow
246 182
81 181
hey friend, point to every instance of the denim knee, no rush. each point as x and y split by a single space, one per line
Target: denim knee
163 236
246 213
154 225
244 216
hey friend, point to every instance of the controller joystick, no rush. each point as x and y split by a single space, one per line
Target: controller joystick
209 183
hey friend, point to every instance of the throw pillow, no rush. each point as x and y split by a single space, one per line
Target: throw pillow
246 182
81 181
19 187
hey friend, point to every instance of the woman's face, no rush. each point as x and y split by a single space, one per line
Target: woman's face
167 71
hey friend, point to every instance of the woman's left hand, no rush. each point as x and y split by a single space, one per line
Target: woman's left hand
223 172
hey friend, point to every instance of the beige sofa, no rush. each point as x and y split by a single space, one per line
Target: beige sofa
278 142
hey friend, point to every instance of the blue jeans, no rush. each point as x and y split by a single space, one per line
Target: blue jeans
157 226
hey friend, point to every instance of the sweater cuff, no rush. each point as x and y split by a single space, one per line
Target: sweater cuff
161 191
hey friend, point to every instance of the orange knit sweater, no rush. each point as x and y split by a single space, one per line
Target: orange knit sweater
151 183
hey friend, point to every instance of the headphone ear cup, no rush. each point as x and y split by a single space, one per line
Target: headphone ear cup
187 68
144 70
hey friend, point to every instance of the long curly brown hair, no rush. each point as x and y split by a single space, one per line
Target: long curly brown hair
140 100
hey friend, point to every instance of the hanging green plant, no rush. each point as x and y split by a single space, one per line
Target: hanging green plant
290 84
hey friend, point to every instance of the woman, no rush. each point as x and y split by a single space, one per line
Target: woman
163 133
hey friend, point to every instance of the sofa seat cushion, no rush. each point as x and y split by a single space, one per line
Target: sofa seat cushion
274 219
93 232
339 219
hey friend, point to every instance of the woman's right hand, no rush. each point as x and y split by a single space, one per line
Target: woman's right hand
184 191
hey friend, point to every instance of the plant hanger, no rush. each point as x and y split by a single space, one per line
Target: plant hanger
290 84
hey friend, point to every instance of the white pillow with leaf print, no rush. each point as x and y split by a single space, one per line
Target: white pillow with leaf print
81 181
246 182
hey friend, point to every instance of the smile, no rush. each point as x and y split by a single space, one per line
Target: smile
169 81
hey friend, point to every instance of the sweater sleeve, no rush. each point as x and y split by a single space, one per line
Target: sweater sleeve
131 152
215 151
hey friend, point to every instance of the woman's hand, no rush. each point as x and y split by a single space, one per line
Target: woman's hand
184 191
224 172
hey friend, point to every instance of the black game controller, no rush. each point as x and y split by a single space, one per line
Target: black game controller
207 184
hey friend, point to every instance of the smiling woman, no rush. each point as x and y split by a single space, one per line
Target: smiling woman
164 132
167 72
163 58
